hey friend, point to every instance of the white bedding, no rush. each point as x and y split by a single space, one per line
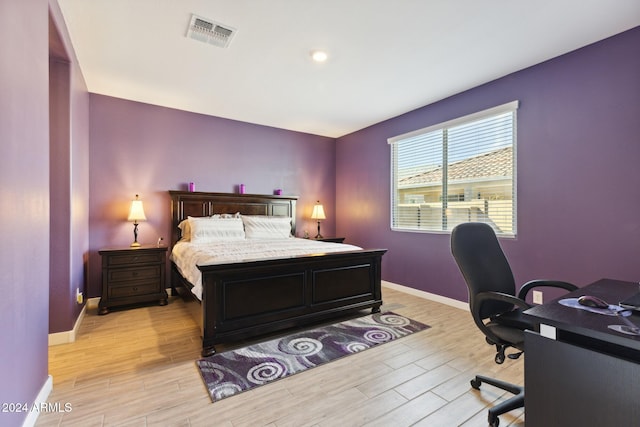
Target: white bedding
187 256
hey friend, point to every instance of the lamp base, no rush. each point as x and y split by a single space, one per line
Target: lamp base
135 243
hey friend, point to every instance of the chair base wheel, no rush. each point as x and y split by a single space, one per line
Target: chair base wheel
516 401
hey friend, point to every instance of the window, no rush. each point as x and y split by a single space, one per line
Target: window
459 171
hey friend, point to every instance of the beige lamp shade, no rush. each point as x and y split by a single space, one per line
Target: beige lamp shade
318 211
137 211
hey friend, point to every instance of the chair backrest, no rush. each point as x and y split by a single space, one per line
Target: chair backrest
477 252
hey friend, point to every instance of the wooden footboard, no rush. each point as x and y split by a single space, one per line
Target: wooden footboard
243 300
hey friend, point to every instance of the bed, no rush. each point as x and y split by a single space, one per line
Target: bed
241 300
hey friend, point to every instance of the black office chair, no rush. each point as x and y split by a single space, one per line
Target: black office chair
492 301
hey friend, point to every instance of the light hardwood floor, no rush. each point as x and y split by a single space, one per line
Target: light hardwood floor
136 368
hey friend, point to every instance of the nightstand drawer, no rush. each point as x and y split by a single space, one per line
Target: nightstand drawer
143 288
135 258
128 274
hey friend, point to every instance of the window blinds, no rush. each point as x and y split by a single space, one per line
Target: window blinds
459 171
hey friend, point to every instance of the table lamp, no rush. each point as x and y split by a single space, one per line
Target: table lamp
318 214
136 214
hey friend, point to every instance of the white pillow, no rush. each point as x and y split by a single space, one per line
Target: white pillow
185 228
266 227
209 229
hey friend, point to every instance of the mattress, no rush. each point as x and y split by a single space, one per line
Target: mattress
188 256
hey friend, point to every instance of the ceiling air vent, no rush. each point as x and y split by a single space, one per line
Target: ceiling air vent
209 31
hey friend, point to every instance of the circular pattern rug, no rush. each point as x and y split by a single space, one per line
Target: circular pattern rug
231 372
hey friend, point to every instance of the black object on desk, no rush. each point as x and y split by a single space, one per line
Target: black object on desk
578 370
632 302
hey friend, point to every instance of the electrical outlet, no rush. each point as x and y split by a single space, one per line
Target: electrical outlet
79 296
537 297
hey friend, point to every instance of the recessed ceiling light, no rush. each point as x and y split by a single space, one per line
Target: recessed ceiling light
319 55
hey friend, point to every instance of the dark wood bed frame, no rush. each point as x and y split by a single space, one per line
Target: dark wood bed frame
246 299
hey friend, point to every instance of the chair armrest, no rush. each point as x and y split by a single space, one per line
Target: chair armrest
524 290
483 297
499 296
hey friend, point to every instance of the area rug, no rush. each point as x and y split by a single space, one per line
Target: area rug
232 372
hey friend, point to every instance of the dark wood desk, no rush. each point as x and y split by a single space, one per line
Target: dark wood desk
578 371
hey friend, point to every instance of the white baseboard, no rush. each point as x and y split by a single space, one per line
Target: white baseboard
427 295
42 397
65 337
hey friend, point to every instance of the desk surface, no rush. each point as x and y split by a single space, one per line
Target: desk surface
588 324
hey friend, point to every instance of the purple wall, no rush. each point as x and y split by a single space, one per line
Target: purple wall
69 176
143 149
24 202
577 171
59 195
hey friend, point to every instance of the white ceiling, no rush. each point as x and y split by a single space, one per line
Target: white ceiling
386 57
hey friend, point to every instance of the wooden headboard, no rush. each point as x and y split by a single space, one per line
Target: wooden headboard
185 203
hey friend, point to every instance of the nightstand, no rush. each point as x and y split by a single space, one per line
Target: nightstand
132 276
330 239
